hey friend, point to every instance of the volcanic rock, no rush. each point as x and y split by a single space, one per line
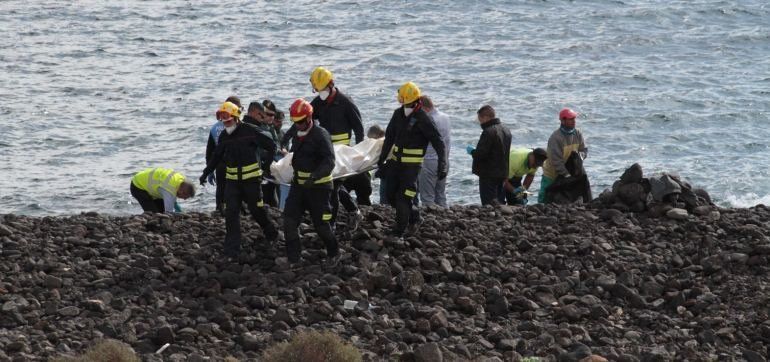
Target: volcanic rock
474 283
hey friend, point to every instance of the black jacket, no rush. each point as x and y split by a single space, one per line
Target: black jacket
313 154
267 130
413 132
242 148
340 118
565 190
490 159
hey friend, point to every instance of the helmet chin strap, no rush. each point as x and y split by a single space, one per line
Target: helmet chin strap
307 129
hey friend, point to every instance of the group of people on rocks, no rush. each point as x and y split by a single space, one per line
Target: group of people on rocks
413 161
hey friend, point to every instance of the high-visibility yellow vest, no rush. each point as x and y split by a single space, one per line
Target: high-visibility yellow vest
152 179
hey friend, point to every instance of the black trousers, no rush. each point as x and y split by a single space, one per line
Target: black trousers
146 201
270 194
491 190
250 193
361 184
219 196
341 196
510 197
401 184
315 200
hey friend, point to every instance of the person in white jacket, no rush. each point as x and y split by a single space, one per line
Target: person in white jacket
432 190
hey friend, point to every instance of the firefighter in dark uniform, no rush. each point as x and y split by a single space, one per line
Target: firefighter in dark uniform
313 163
238 148
216 179
338 115
407 136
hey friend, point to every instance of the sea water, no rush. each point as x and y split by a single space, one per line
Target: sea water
92 92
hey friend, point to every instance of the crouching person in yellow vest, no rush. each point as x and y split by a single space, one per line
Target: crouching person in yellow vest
157 189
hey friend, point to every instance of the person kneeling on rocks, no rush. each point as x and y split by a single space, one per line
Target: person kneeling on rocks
157 189
522 162
311 187
239 148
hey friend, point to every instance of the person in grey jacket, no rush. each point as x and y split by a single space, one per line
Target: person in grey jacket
490 156
562 143
432 190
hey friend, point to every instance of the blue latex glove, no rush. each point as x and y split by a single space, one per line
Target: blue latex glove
469 149
518 190
177 208
212 179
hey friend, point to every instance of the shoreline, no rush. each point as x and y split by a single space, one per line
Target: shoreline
549 281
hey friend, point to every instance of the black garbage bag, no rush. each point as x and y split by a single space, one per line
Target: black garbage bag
566 190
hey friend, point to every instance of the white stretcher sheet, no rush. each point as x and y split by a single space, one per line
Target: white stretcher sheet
348 160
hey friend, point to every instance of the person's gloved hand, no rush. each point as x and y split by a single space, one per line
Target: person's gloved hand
212 179
177 208
441 175
380 170
202 179
518 190
442 171
469 149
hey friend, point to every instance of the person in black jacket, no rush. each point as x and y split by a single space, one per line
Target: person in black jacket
219 175
339 116
269 189
408 133
490 156
313 163
238 148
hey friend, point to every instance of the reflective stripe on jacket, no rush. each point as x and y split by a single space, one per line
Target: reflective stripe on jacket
313 156
408 137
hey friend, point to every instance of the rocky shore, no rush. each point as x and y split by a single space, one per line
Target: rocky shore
560 282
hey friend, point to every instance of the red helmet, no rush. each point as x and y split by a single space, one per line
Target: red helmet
300 110
567 113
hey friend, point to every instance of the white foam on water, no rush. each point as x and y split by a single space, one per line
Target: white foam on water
747 200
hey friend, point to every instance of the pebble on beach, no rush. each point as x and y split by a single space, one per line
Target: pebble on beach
590 282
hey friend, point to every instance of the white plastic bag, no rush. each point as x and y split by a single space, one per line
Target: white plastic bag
348 160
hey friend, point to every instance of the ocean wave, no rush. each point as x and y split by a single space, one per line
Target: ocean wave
746 200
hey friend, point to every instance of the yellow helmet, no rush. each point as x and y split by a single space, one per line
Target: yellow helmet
408 93
320 78
229 108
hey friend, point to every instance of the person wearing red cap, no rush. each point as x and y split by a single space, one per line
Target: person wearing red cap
561 144
311 187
